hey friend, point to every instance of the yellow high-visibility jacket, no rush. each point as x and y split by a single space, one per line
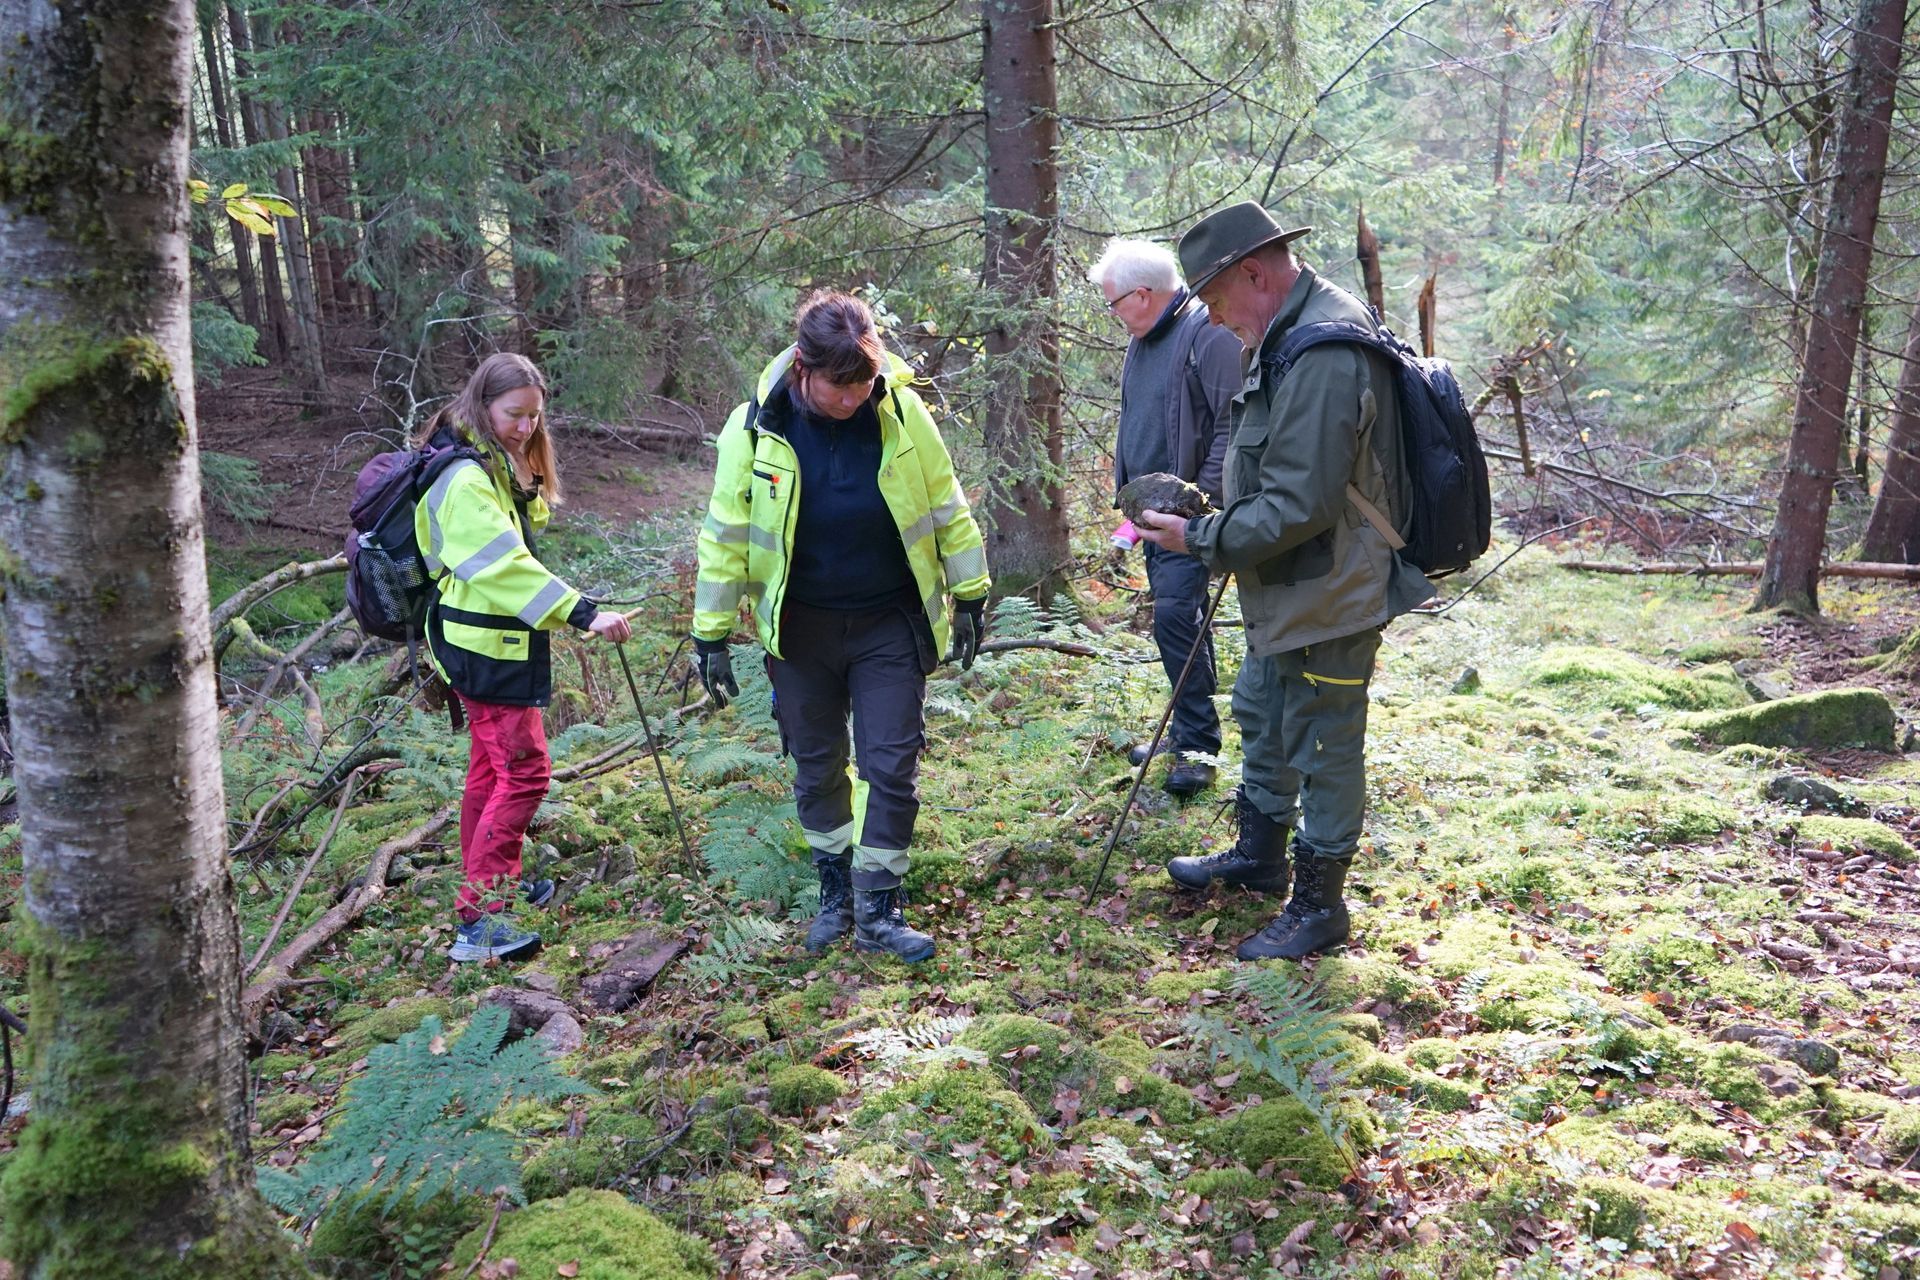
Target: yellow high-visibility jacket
493 602
746 544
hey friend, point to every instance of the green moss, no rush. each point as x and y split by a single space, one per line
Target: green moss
384 1026
608 1145
1285 1133
722 1193
1900 1131
1699 1142
1363 1026
609 1237
1854 833
275 1109
800 1089
1728 1074
1035 1056
1347 981
40 361
1723 649
1833 718
1615 679
1431 1053
1658 954
1177 987
1229 1186
1475 940
1598 1141
1519 998
963 1105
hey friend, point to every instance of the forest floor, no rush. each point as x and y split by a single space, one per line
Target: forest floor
1619 1001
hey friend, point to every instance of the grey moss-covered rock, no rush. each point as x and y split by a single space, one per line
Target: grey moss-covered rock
1162 491
1833 718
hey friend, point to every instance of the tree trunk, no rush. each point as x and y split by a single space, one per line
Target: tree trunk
1504 113
223 130
1862 411
330 179
291 233
1025 510
1893 530
319 249
278 332
135 1163
1799 533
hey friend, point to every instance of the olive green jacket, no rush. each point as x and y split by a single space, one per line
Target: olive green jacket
1310 566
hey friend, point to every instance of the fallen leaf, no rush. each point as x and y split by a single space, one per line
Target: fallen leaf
568 1269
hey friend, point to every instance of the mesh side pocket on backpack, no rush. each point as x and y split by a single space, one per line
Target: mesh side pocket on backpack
393 583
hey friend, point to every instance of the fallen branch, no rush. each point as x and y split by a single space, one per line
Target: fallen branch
1075 648
285 663
313 860
285 576
1746 568
486 1241
278 971
316 716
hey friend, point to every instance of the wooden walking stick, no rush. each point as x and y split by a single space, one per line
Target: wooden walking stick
653 745
1120 822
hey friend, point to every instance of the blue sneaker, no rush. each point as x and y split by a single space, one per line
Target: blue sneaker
536 893
489 936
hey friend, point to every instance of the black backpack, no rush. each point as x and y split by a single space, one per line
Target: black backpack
388 586
1450 517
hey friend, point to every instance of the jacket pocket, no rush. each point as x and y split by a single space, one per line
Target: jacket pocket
1245 450
1311 559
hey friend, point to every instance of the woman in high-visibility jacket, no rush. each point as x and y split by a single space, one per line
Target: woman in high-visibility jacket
837 521
487 626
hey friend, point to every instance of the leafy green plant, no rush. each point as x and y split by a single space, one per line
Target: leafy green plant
419 1122
922 1041
1295 1041
221 342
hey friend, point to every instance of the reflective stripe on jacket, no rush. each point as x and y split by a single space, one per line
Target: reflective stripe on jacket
746 543
494 601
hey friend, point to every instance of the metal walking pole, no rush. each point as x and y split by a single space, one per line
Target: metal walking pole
1120 822
653 744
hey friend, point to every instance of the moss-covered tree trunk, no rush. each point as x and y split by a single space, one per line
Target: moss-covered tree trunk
135 1162
1026 517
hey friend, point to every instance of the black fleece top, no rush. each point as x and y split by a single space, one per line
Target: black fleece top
847 552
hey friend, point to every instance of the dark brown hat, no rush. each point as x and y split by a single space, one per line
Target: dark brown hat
1221 239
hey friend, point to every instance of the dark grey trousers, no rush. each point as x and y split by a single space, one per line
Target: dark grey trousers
871 665
1303 734
1179 585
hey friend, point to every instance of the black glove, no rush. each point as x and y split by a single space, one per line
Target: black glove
969 629
716 670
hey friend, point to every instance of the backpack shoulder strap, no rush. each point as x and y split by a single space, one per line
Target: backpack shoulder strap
753 416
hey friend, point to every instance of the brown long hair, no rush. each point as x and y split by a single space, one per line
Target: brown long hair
835 338
466 413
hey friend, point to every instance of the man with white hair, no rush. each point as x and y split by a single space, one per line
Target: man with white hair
1176 392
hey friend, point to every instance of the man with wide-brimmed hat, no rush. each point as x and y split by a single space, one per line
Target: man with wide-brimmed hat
1317 580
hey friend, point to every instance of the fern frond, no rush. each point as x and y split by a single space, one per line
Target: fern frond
419 1121
732 948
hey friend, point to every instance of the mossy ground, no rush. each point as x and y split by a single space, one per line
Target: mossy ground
1563 898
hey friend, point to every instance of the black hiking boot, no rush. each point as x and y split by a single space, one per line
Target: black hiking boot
1138 753
1188 777
1257 861
1314 920
835 920
878 922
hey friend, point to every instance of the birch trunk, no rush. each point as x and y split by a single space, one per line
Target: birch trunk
135 1163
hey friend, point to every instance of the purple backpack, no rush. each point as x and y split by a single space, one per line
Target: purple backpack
387 578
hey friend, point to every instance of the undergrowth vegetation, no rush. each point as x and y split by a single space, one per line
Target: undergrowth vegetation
1616 1005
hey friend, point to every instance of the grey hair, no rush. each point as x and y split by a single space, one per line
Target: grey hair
1136 264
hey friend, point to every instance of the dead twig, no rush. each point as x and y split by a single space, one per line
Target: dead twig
306 870
279 970
486 1241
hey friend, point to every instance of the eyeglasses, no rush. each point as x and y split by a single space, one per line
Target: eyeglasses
1114 305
